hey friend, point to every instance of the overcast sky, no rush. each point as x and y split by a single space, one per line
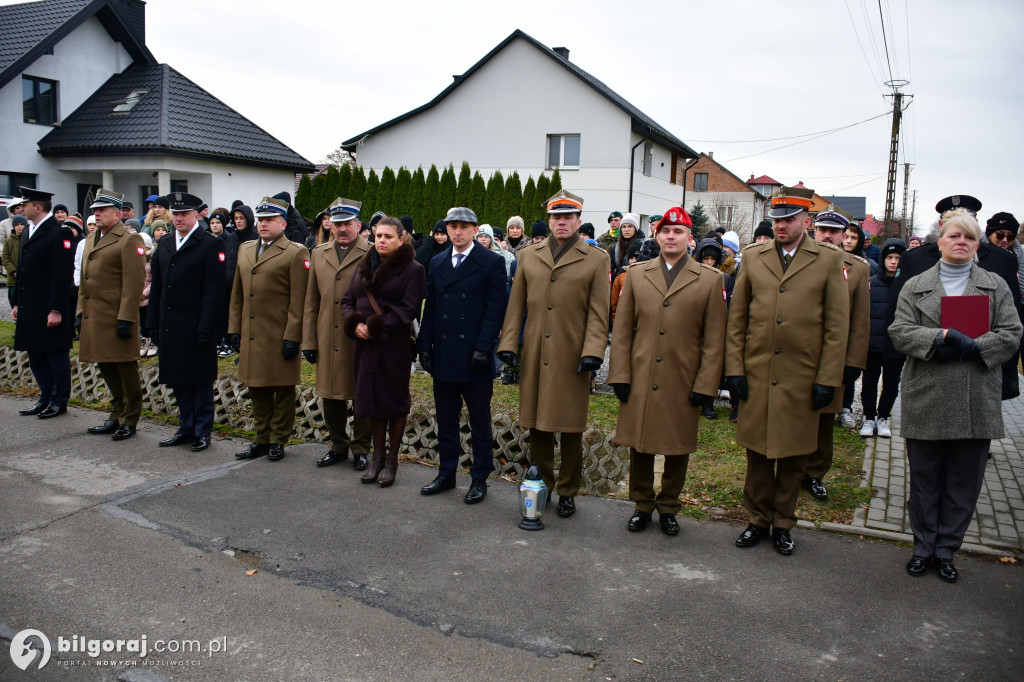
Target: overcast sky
316 72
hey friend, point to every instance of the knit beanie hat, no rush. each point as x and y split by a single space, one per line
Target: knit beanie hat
539 229
764 229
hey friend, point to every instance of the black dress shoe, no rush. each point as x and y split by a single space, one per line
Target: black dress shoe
669 525
108 426
783 542
816 488
918 566
276 452
947 571
439 484
751 536
253 451
566 507
123 432
359 462
177 439
35 409
477 491
332 457
200 443
638 521
52 411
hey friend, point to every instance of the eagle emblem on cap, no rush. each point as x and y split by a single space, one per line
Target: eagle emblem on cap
956 201
673 216
177 196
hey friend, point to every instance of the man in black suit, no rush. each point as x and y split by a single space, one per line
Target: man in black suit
184 316
462 317
992 258
42 306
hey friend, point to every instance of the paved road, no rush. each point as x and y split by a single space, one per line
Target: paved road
119 540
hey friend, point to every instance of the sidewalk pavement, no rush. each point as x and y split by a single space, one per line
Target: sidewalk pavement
998 524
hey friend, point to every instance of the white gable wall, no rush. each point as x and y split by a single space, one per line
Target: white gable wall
499 119
81 62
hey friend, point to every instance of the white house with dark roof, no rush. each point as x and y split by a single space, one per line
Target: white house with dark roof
84 104
607 150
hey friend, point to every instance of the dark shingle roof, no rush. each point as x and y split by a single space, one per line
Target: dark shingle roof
31 29
175 116
858 206
642 123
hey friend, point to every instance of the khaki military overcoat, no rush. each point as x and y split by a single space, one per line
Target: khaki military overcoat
667 343
267 298
323 326
786 332
113 276
857 272
567 318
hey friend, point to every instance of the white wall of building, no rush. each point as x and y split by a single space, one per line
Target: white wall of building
80 63
747 210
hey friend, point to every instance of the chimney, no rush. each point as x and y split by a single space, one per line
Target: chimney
562 52
711 155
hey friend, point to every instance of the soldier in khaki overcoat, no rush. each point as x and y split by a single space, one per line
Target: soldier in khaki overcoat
324 342
265 323
113 276
561 284
789 320
666 359
830 228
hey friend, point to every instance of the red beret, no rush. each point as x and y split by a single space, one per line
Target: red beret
674 216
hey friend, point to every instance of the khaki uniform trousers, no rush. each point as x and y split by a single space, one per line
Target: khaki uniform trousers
336 418
771 489
273 410
122 379
570 470
641 482
819 463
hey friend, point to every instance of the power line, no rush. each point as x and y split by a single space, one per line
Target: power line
791 137
817 136
871 34
884 40
875 79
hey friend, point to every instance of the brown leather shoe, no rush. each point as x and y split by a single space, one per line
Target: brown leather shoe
387 478
376 466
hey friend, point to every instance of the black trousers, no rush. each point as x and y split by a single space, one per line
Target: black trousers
890 371
448 399
195 408
848 392
52 371
945 480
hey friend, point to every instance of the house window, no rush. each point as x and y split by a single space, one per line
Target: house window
725 215
700 182
179 185
648 157
563 151
10 182
39 100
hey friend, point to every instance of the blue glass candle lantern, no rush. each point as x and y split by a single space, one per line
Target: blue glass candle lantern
533 496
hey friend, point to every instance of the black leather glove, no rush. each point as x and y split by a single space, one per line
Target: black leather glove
699 399
507 356
310 356
589 364
289 349
427 361
737 387
621 392
78 324
234 340
123 329
850 375
821 396
966 347
944 354
204 340
480 361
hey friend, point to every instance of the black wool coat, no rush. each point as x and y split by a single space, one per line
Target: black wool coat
382 364
46 266
186 302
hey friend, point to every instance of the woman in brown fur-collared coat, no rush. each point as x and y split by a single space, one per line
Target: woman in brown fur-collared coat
389 277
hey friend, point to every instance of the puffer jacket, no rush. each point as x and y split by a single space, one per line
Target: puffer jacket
879 285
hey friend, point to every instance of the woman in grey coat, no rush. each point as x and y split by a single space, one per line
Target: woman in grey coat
950 393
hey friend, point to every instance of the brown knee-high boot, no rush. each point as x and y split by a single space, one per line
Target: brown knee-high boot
396 429
378 432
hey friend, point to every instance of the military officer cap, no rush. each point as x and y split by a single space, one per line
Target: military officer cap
32 194
461 214
107 197
183 202
344 210
788 201
958 201
564 202
270 207
833 218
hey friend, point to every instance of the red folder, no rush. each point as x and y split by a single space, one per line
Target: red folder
967 314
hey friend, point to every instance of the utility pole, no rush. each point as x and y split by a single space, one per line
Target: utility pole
894 148
904 230
913 207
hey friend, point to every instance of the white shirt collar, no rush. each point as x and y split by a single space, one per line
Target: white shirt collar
455 261
32 226
179 240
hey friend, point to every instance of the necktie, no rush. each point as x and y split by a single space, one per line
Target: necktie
786 259
458 259
263 247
